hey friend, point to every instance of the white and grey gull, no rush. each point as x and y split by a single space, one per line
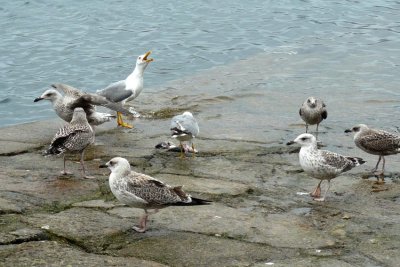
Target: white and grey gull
322 164
376 142
184 127
74 137
142 191
128 89
66 98
313 111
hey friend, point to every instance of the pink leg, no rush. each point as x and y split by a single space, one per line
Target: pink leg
143 221
326 191
317 191
83 168
64 172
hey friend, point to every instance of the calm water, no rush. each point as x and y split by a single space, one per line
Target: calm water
345 51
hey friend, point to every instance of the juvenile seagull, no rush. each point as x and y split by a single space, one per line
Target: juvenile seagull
375 142
74 137
184 127
128 89
64 105
142 191
313 111
322 164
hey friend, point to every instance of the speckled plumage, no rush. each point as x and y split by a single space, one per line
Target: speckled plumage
66 98
376 142
313 111
74 137
322 164
184 127
143 191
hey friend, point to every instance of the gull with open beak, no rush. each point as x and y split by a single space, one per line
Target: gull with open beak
128 89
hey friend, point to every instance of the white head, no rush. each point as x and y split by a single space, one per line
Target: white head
357 129
144 60
118 165
311 102
187 113
49 94
304 139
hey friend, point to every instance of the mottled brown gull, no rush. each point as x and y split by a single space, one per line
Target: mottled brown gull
65 99
128 89
313 111
184 127
376 142
142 191
74 137
322 164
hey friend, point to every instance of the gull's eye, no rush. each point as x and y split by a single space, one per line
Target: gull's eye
308 101
356 129
48 94
304 139
140 57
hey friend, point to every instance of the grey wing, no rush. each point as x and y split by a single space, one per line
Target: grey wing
185 123
67 90
87 100
152 190
336 161
115 92
380 141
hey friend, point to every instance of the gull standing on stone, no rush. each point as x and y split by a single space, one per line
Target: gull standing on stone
64 105
322 164
184 127
375 142
142 191
128 89
74 137
313 111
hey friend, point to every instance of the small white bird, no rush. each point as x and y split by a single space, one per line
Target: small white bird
313 111
142 191
184 127
322 164
128 89
375 142
74 137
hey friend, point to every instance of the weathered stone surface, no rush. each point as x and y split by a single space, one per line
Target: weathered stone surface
97 203
89 227
187 249
53 253
7 206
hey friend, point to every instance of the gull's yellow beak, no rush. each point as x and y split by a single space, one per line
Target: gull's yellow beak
147 59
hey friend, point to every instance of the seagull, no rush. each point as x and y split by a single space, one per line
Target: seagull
322 164
313 111
74 137
184 127
375 142
64 105
142 191
128 89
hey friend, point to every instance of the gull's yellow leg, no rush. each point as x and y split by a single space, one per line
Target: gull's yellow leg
121 123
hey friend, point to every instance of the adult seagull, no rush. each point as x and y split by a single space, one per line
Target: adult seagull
128 89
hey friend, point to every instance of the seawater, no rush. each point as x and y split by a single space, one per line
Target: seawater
279 52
